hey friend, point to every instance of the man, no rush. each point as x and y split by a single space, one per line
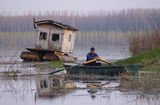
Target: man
91 56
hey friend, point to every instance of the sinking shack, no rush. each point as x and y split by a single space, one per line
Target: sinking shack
54 41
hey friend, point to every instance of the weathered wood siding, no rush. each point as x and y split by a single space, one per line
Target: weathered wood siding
56 45
67 46
65 43
49 44
42 44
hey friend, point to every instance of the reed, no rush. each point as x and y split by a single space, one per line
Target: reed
144 41
143 82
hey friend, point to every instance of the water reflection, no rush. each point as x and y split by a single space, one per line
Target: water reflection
53 86
60 90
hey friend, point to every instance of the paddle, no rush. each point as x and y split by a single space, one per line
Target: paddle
90 61
96 60
87 62
105 61
83 63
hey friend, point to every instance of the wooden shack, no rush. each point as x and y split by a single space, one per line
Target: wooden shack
54 36
53 41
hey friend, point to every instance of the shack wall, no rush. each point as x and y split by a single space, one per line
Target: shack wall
68 41
65 43
48 44
42 44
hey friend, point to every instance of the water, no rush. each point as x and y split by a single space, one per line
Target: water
10 55
59 89
27 91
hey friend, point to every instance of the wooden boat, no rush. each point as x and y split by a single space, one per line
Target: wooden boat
99 70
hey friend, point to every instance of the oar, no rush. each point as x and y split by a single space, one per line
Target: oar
98 59
82 63
105 61
89 61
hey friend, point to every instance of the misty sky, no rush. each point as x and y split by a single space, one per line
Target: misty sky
81 5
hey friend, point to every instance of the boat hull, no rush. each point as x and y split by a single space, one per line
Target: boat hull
98 70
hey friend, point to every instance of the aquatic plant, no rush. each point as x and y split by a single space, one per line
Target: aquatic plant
144 82
55 64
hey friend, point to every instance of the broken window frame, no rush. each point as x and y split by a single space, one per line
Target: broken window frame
55 82
43 84
43 36
55 37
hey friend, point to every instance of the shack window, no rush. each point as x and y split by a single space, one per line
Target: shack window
43 84
69 39
55 82
55 37
43 36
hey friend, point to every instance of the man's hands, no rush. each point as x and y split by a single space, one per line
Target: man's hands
97 58
109 63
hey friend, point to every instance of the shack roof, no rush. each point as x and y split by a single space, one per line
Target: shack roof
56 24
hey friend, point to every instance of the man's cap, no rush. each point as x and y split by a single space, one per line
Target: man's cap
92 48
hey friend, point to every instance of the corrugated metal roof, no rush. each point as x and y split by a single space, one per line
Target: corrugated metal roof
57 24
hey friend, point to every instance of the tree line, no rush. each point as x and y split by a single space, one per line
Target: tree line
83 41
123 20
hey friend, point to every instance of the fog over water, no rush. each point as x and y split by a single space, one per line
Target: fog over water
74 5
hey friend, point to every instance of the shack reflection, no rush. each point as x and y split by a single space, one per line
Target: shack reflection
53 86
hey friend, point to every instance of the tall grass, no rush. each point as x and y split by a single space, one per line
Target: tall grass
144 82
144 41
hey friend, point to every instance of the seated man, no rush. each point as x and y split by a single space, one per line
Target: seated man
92 55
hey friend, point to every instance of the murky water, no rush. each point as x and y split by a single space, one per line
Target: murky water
59 89
55 90
109 54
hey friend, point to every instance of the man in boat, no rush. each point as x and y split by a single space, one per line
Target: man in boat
92 56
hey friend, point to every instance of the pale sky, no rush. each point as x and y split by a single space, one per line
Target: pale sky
81 5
